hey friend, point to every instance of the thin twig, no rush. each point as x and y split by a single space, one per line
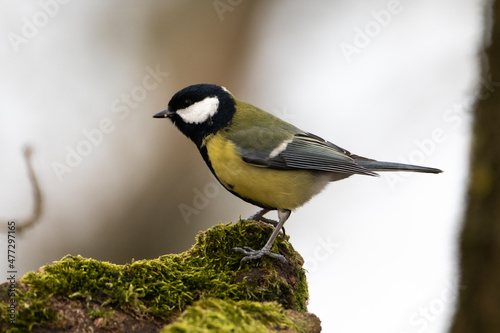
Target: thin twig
37 194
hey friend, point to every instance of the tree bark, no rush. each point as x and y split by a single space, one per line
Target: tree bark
478 308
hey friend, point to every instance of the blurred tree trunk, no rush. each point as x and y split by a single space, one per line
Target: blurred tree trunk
478 308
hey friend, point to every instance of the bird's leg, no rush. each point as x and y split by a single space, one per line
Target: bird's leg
259 216
250 253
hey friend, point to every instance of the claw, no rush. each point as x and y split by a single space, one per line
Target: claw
251 254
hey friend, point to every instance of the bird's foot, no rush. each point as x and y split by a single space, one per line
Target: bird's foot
259 216
251 254
266 220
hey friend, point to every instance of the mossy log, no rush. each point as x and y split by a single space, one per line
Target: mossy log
205 289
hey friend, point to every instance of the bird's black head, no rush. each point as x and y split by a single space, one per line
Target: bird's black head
199 110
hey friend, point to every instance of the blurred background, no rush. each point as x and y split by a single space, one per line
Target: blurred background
391 80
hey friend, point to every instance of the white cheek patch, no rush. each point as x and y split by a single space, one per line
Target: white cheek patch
280 148
200 111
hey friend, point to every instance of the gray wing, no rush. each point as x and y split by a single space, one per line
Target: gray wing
306 151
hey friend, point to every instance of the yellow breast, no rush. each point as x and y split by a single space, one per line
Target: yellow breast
270 188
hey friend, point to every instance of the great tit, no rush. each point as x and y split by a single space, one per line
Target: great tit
261 158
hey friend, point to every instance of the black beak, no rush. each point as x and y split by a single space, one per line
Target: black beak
164 114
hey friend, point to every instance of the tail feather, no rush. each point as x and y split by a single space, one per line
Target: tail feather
391 166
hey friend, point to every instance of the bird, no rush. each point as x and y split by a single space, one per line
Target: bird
261 158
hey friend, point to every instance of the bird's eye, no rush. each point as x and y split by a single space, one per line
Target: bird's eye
187 102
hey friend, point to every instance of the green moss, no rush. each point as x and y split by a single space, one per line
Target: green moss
166 286
215 315
33 309
99 312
